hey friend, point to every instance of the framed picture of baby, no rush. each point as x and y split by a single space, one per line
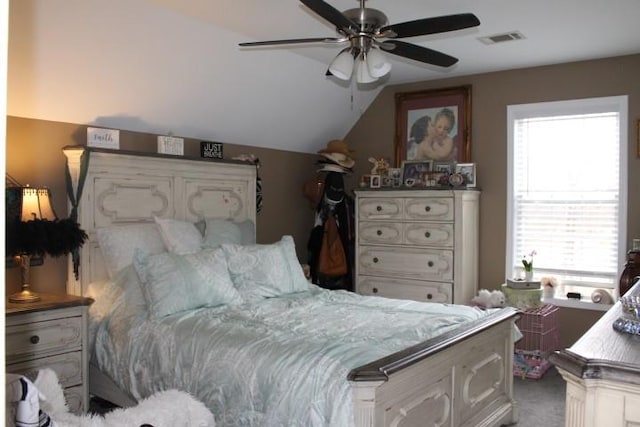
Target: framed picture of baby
434 125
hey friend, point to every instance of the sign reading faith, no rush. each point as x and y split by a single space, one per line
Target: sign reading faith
103 138
212 150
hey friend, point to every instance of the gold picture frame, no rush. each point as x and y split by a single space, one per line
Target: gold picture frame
420 119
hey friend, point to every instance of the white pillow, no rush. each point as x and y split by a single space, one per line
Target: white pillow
173 283
265 271
180 237
118 243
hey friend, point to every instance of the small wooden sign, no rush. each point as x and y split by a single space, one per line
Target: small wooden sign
211 150
103 138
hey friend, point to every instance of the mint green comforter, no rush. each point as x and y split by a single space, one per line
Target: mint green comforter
280 362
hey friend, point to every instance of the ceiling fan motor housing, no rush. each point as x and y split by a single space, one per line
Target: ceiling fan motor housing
370 20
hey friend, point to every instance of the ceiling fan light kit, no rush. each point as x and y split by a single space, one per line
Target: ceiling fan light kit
367 31
342 65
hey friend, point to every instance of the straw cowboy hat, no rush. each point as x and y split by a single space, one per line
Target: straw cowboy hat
337 146
340 159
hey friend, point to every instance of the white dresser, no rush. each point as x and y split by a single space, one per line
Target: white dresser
51 333
417 244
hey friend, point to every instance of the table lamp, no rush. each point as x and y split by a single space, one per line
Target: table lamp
33 229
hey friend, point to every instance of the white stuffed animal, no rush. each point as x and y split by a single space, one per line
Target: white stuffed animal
489 299
169 408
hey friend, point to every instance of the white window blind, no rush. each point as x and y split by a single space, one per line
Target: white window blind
567 185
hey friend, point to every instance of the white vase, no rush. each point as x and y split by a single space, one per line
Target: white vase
528 276
548 292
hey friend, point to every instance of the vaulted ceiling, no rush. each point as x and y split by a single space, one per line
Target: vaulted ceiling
174 66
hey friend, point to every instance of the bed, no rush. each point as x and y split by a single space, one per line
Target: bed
285 353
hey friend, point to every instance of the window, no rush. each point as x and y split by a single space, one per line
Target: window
567 168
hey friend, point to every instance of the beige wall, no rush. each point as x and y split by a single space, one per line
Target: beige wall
373 135
34 156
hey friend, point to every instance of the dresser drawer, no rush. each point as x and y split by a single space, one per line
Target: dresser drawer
428 234
379 232
23 341
410 263
379 208
405 289
429 208
67 366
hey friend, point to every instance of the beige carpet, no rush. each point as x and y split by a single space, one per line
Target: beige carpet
541 401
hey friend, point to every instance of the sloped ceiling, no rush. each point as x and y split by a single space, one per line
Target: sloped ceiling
174 66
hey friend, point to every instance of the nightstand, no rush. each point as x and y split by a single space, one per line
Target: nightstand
51 333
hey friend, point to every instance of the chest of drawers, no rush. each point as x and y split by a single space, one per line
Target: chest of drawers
417 244
51 333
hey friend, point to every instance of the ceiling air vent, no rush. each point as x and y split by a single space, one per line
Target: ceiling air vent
504 37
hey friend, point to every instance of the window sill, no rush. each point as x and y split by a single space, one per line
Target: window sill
582 304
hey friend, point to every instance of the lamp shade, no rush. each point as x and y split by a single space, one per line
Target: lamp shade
36 204
362 72
377 63
342 65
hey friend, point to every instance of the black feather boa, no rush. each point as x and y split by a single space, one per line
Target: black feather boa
43 237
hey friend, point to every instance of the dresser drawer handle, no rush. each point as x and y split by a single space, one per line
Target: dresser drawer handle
430 263
427 234
34 339
379 232
378 208
427 208
375 260
429 296
375 290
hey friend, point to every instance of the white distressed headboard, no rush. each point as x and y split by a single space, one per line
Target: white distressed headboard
124 188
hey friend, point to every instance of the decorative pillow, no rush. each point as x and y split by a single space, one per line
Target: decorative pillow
118 243
264 271
180 237
172 283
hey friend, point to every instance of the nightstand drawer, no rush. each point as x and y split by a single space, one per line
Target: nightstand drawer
27 340
68 367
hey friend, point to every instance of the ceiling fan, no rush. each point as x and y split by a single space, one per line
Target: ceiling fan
368 33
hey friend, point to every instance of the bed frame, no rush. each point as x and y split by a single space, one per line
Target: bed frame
463 378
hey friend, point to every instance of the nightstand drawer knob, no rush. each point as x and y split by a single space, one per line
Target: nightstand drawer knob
378 208
430 263
379 232
427 208
375 260
34 339
375 290
427 234
429 296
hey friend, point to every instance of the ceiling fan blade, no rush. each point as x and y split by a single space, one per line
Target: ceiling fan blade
440 24
418 53
332 15
295 41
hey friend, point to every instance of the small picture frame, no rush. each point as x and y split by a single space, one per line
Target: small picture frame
375 181
414 170
468 172
445 167
365 181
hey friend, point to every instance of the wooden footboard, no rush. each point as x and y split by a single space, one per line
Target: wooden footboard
462 378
